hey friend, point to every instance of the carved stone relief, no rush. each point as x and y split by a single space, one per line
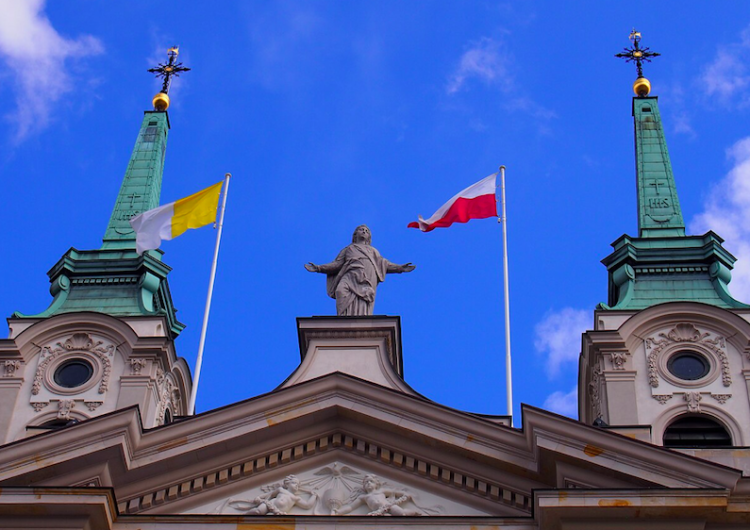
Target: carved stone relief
39 405
686 333
618 359
64 408
662 398
11 367
334 489
595 391
93 405
78 342
137 366
693 400
721 398
169 396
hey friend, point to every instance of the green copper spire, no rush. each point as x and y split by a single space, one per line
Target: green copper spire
114 279
141 185
659 213
662 264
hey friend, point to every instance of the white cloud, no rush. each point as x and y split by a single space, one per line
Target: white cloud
727 76
558 337
488 61
562 403
36 53
727 212
485 60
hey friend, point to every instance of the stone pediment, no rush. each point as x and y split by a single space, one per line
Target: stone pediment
437 456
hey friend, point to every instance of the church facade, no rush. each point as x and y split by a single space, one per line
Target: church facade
96 431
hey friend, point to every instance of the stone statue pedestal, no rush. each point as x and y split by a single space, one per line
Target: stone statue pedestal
365 347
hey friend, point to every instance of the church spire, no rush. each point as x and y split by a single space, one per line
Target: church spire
659 213
141 186
114 279
662 264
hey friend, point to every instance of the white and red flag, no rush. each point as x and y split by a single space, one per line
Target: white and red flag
475 202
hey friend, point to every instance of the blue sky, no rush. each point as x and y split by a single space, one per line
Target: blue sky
333 114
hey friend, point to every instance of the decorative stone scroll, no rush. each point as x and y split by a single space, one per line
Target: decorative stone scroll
595 391
721 398
686 333
662 398
169 396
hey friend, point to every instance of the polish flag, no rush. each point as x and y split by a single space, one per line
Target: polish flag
475 202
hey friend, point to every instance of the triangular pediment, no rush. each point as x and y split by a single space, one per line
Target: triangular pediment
460 461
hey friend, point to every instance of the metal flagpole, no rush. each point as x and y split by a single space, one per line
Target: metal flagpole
201 344
504 221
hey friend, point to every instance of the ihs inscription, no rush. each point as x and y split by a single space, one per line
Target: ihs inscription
127 216
659 203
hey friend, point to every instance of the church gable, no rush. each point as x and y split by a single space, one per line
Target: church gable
437 456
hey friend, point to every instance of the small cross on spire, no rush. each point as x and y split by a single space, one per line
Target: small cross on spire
171 68
637 54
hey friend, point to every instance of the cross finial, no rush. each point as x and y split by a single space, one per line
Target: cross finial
171 68
637 54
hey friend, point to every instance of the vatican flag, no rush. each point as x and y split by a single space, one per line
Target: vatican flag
169 221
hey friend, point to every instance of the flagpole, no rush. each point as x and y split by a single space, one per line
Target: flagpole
504 221
201 344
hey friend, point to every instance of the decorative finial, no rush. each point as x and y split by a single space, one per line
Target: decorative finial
171 68
636 54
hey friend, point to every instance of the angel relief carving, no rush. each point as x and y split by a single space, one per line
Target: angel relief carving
332 490
278 501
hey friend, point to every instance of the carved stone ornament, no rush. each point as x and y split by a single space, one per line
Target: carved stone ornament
693 400
93 405
78 342
64 408
686 333
39 405
618 359
335 489
11 367
662 398
721 398
169 397
137 365
595 391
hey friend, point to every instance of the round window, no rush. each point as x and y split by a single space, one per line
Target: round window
688 365
73 373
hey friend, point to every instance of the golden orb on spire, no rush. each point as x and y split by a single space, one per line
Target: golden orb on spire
161 101
167 71
638 55
642 87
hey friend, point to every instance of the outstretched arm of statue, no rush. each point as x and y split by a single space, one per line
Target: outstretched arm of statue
328 268
406 267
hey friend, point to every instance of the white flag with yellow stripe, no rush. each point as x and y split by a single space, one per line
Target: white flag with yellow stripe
170 220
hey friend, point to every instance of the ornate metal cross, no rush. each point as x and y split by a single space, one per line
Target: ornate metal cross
170 69
637 54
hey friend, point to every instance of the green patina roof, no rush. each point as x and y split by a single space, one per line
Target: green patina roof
141 185
663 264
114 279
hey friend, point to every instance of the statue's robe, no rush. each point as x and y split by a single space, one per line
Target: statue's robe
353 278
